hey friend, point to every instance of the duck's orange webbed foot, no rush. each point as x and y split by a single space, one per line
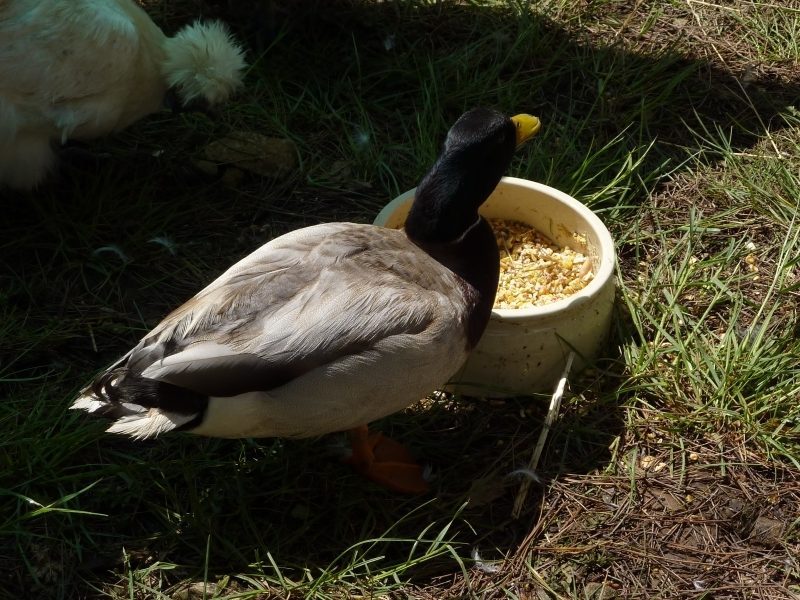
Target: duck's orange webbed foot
386 462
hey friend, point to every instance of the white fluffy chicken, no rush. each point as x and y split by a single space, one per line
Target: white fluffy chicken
81 69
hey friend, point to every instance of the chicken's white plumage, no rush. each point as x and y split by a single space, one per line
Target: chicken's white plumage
203 62
81 69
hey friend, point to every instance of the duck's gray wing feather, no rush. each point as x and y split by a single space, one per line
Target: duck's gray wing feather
302 301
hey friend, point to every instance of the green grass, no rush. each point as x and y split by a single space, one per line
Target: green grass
720 339
693 171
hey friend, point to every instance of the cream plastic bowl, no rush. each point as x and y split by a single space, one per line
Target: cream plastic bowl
524 351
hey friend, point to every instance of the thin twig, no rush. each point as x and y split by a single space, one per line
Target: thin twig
552 413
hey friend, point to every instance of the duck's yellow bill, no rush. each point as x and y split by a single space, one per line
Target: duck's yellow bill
527 127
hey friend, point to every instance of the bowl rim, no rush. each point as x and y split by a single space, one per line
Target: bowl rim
605 271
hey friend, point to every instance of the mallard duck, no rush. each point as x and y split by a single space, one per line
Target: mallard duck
330 327
80 69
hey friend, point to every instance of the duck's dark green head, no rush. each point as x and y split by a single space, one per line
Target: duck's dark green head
477 152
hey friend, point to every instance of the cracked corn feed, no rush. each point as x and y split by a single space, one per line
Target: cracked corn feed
533 270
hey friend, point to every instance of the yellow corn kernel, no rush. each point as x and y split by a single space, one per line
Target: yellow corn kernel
533 270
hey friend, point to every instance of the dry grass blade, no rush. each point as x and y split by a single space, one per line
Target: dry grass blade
529 474
681 527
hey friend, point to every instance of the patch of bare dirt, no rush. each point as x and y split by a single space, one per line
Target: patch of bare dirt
676 522
680 519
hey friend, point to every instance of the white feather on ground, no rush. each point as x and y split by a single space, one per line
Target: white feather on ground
81 69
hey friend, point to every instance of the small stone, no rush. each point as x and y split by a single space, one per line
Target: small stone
486 490
256 153
652 463
647 461
767 532
232 176
207 167
300 511
196 591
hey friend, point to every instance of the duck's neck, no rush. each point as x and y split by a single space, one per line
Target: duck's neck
474 257
444 222
447 200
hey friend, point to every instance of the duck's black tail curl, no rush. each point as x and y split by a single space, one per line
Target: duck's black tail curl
125 396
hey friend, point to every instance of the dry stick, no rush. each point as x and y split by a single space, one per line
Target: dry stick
552 413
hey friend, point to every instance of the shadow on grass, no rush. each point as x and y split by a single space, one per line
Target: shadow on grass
192 502
425 64
84 275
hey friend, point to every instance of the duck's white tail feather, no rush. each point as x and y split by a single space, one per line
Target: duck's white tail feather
130 418
149 423
88 403
91 403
